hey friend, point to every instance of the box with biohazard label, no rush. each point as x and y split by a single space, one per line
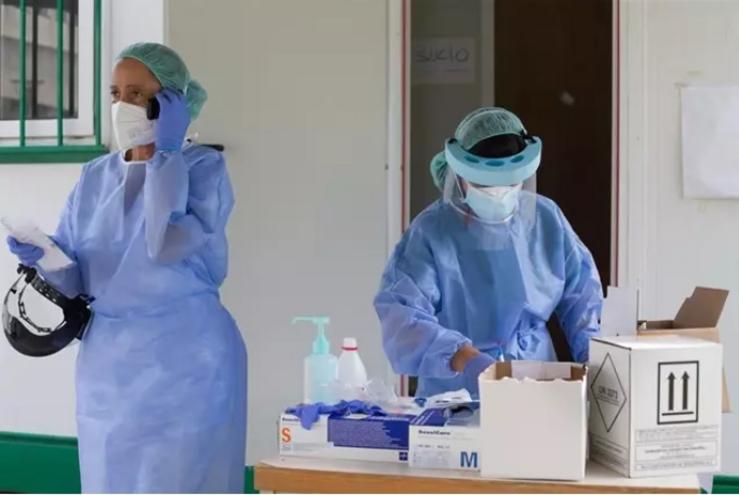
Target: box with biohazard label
355 437
533 420
446 437
655 405
698 317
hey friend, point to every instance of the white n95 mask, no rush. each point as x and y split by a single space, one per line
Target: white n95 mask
130 126
493 204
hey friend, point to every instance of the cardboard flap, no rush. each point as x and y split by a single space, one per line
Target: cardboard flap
703 309
536 370
656 325
540 370
502 370
579 372
620 312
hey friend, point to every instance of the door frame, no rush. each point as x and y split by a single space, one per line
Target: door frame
632 171
398 138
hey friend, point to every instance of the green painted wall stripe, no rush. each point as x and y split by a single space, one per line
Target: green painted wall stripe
38 464
725 484
48 464
249 480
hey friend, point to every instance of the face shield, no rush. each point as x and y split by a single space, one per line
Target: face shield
485 186
38 337
488 162
491 234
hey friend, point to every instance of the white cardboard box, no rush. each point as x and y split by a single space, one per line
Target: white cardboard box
439 442
533 419
354 437
656 405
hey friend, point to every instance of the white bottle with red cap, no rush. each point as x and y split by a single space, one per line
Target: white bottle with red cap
350 372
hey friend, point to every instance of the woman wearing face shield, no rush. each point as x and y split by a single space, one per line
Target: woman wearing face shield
479 273
161 371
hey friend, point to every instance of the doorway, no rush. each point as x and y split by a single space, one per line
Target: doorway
548 61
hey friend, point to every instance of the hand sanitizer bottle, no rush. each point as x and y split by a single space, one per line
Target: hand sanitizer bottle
319 373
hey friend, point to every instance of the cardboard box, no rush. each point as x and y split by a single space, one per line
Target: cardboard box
533 420
355 437
698 317
656 405
445 438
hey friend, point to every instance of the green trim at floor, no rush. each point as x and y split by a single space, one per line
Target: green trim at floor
47 464
38 464
725 484
249 480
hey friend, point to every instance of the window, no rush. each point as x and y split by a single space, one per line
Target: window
49 80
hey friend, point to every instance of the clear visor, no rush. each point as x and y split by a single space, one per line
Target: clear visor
492 233
39 315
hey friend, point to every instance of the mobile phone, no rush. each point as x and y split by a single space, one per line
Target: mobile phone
152 109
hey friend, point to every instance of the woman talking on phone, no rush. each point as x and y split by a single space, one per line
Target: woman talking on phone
161 371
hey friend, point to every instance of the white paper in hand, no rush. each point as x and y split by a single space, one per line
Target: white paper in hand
27 232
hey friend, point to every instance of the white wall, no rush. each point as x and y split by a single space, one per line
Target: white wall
134 21
298 96
671 243
36 395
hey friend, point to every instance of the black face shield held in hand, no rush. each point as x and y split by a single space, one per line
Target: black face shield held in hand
34 340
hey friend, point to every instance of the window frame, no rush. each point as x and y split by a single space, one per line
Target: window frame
81 137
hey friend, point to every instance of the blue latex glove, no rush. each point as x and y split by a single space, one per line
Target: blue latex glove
28 254
174 118
472 371
309 414
357 407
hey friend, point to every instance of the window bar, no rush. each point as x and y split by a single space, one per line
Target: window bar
34 60
22 77
72 51
97 67
60 72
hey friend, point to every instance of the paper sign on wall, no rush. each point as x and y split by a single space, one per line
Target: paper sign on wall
443 61
710 141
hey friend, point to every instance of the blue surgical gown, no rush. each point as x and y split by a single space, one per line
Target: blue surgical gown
161 370
449 284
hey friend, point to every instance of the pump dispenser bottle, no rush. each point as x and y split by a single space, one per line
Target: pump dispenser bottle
320 366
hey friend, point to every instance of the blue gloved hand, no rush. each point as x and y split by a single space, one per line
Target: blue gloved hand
472 371
309 414
28 254
174 118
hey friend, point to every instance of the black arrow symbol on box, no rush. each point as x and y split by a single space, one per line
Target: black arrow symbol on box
671 392
686 379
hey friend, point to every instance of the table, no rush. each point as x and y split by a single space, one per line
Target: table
312 475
